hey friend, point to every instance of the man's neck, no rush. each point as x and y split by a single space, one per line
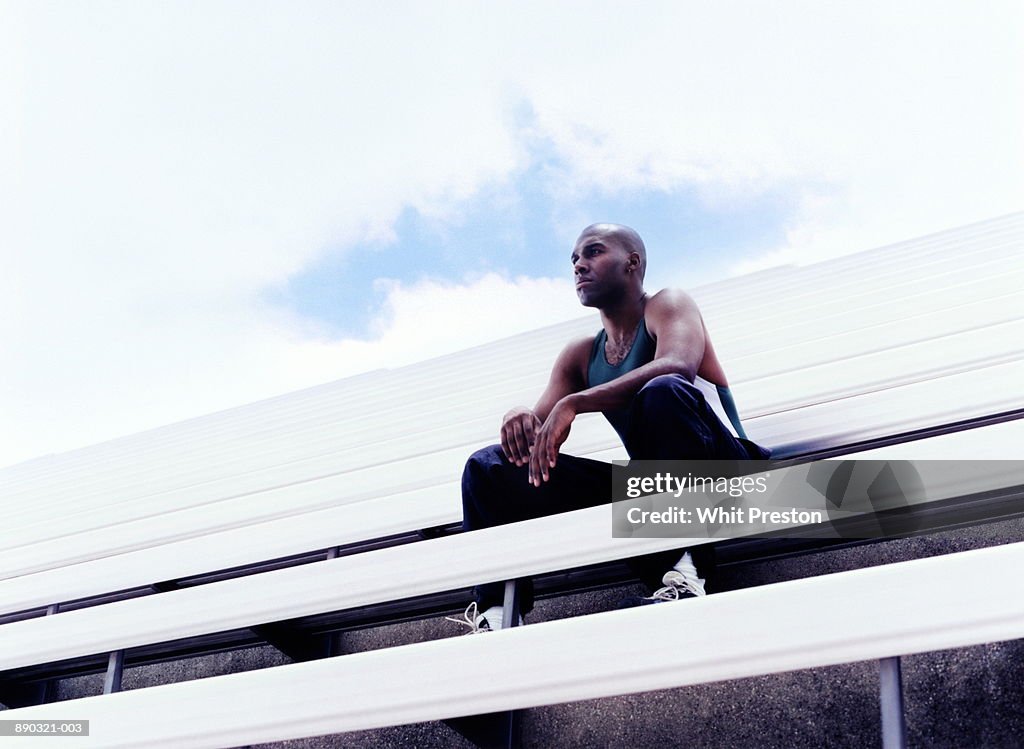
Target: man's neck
621 319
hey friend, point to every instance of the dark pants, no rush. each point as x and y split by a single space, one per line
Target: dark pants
669 420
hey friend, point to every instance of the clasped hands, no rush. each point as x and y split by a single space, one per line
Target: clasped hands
527 441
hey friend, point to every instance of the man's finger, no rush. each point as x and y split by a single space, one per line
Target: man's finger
531 431
534 464
510 438
535 459
540 450
529 469
522 449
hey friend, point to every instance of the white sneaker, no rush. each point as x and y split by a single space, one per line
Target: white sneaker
678 586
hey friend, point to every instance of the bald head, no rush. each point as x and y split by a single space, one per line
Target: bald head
624 235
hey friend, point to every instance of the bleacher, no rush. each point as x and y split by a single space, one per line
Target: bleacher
286 521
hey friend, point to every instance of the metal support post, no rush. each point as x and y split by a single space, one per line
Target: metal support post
510 612
495 730
50 687
894 729
334 638
115 667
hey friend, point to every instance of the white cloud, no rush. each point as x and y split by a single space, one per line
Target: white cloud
163 163
887 120
431 318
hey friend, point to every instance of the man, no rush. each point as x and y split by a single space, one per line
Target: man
653 372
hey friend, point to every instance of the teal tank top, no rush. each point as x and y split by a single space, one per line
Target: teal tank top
599 371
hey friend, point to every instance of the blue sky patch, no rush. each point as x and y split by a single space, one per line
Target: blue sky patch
518 228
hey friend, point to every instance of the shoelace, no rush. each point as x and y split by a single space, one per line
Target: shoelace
668 593
471 618
688 582
678 583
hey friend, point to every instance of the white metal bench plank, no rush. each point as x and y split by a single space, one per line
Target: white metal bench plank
898 328
357 522
886 370
926 258
502 553
851 616
326 447
792 389
299 438
110 537
865 287
833 320
924 404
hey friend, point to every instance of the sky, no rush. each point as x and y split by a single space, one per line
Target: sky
203 204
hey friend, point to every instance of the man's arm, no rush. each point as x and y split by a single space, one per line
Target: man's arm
674 321
520 425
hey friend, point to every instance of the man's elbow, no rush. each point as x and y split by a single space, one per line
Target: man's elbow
680 365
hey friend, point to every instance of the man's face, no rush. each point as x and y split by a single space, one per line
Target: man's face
600 267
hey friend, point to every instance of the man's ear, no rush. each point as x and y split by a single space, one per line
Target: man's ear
634 262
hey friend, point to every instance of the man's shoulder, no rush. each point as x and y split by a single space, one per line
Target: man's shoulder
580 346
670 299
671 307
572 363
